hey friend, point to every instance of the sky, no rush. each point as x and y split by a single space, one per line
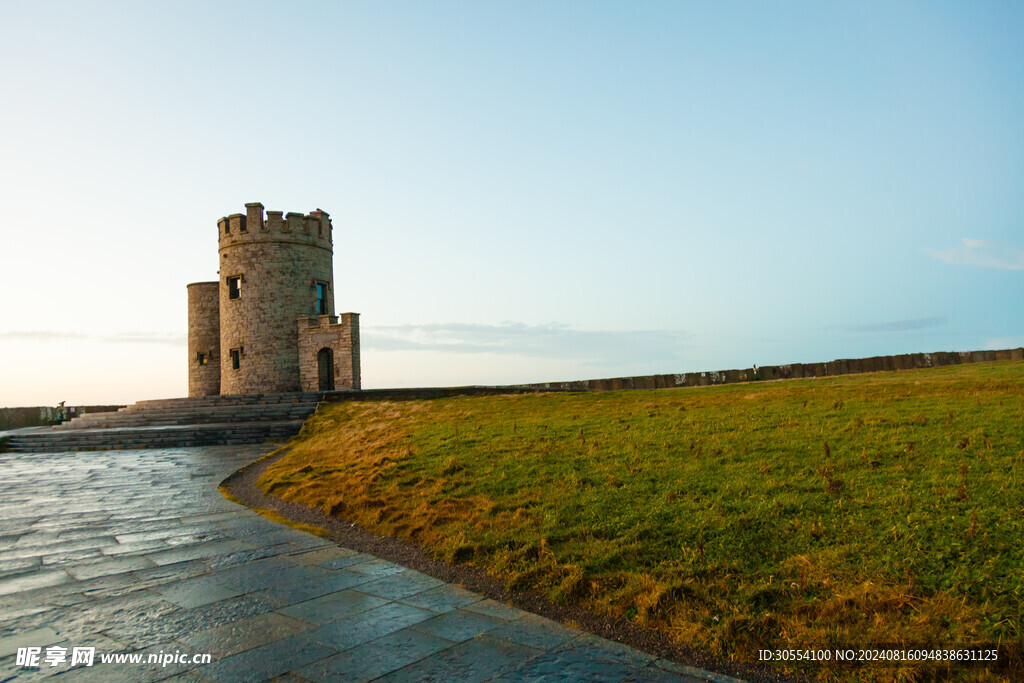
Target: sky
521 191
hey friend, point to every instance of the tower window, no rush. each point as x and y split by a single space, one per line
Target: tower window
234 286
201 358
321 298
236 358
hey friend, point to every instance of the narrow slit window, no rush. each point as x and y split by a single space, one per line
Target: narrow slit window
236 358
321 298
201 358
234 286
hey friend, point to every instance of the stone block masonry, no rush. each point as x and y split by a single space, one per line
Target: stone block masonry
204 339
272 273
329 352
844 366
269 275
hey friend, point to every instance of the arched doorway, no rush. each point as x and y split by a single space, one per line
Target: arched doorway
325 369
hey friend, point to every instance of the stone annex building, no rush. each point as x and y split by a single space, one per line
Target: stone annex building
268 324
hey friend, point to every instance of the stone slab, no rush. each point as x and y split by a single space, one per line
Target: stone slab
370 625
334 607
458 625
376 658
39 637
400 585
478 659
494 608
201 590
443 598
270 660
244 634
19 583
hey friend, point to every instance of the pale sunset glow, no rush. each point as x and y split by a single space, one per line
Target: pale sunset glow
520 191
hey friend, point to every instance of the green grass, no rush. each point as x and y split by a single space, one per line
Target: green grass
852 510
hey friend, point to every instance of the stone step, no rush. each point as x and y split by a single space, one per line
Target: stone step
171 422
201 410
182 416
186 422
154 437
176 422
229 400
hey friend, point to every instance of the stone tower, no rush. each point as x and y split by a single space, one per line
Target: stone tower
203 339
272 326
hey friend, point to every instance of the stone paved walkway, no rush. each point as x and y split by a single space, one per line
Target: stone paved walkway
137 552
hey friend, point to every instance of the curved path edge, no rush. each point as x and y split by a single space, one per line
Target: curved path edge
656 647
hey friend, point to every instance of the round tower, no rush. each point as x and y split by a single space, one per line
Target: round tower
204 339
272 272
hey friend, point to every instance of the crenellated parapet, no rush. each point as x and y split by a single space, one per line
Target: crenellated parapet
313 228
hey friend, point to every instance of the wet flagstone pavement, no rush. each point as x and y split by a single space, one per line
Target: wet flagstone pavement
138 552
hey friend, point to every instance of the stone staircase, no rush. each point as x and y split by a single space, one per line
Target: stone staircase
173 423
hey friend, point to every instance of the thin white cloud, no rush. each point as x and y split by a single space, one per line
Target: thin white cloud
163 338
145 338
40 335
541 341
900 325
981 253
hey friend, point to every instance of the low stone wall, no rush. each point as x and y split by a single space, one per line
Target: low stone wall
15 418
844 366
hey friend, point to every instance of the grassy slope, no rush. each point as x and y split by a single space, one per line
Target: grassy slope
855 510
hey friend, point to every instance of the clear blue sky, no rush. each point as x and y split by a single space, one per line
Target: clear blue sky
521 191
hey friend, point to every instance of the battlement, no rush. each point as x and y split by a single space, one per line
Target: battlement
239 228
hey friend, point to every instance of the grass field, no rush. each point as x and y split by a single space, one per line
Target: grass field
862 509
